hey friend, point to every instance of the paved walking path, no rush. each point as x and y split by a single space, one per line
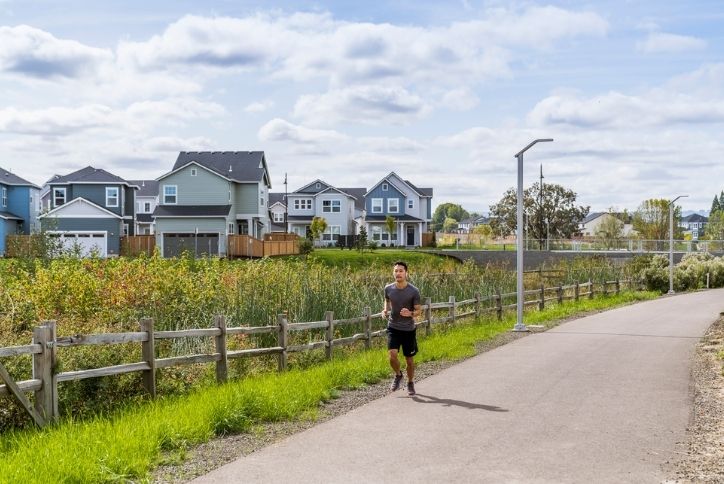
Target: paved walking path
603 398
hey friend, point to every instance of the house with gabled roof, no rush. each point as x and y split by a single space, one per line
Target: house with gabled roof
278 211
90 209
409 206
19 207
209 195
339 207
146 201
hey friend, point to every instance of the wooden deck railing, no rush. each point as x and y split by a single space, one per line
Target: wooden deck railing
45 345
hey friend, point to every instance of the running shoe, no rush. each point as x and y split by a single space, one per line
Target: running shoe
396 383
410 388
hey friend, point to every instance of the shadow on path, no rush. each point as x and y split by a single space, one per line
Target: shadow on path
420 398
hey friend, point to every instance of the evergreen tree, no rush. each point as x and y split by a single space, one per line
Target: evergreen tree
715 205
721 200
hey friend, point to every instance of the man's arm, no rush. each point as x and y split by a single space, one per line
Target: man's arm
385 307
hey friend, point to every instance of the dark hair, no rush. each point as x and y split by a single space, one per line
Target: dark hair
400 263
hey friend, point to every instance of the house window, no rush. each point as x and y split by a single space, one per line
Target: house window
170 193
261 201
334 206
385 187
111 196
317 185
231 229
278 217
410 203
393 205
58 196
193 171
125 230
5 197
303 204
146 207
376 205
331 233
376 232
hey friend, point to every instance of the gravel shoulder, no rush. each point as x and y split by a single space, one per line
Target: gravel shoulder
704 458
703 461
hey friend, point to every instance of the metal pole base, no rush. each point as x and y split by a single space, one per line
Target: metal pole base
520 327
671 291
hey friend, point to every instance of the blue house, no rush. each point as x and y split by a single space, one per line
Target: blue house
19 207
409 206
91 209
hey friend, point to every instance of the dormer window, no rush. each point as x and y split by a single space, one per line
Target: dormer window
193 171
112 196
58 196
385 187
318 186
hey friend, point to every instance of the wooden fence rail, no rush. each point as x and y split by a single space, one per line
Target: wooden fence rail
43 349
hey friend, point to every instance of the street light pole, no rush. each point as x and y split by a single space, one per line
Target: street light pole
671 243
520 235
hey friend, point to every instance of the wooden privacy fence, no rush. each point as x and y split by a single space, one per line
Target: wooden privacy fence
45 345
134 245
248 246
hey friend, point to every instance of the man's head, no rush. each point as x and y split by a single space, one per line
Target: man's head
400 271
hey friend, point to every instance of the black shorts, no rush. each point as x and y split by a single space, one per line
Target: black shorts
406 339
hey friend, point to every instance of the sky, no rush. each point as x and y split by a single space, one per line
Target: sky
442 93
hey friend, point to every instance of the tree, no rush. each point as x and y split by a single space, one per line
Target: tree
715 206
610 230
484 231
317 228
449 225
447 210
390 225
551 214
362 239
651 219
715 227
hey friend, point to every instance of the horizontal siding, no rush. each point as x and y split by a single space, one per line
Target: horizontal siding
183 225
205 188
247 198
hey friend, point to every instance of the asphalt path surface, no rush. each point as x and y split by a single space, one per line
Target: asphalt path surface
604 398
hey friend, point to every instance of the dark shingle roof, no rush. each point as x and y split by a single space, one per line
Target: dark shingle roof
147 188
246 166
358 194
8 178
145 218
422 191
695 217
192 210
88 175
592 216
276 198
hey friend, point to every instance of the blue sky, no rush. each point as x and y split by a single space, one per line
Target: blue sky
443 93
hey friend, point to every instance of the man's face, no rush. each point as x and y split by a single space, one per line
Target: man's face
400 273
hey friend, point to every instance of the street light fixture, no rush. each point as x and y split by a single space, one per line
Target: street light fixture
520 235
671 243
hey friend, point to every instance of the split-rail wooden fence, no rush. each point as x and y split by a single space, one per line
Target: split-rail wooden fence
46 343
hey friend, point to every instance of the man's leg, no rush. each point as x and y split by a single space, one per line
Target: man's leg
410 367
394 361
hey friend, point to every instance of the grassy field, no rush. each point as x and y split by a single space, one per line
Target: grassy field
126 444
378 258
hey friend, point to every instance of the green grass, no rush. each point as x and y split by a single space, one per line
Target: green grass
127 444
360 260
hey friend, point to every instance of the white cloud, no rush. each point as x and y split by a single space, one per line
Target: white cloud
35 53
177 111
460 100
284 131
372 104
259 106
660 42
55 120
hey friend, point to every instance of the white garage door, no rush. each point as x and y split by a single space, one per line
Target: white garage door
84 243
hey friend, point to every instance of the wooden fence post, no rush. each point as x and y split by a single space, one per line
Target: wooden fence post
222 368
477 305
499 305
428 316
51 324
618 286
542 302
43 371
605 288
576 291
283 336
368 327
590 289
451 311
559 291
148 353
19 395
329 316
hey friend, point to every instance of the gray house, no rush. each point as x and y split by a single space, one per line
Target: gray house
90 209
408 205
209 195
146 201
339 207
19 206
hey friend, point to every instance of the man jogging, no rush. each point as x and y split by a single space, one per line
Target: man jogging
401 307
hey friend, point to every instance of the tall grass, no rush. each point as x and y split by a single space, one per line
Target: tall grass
128 443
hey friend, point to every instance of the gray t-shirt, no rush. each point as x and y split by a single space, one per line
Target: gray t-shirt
408 298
